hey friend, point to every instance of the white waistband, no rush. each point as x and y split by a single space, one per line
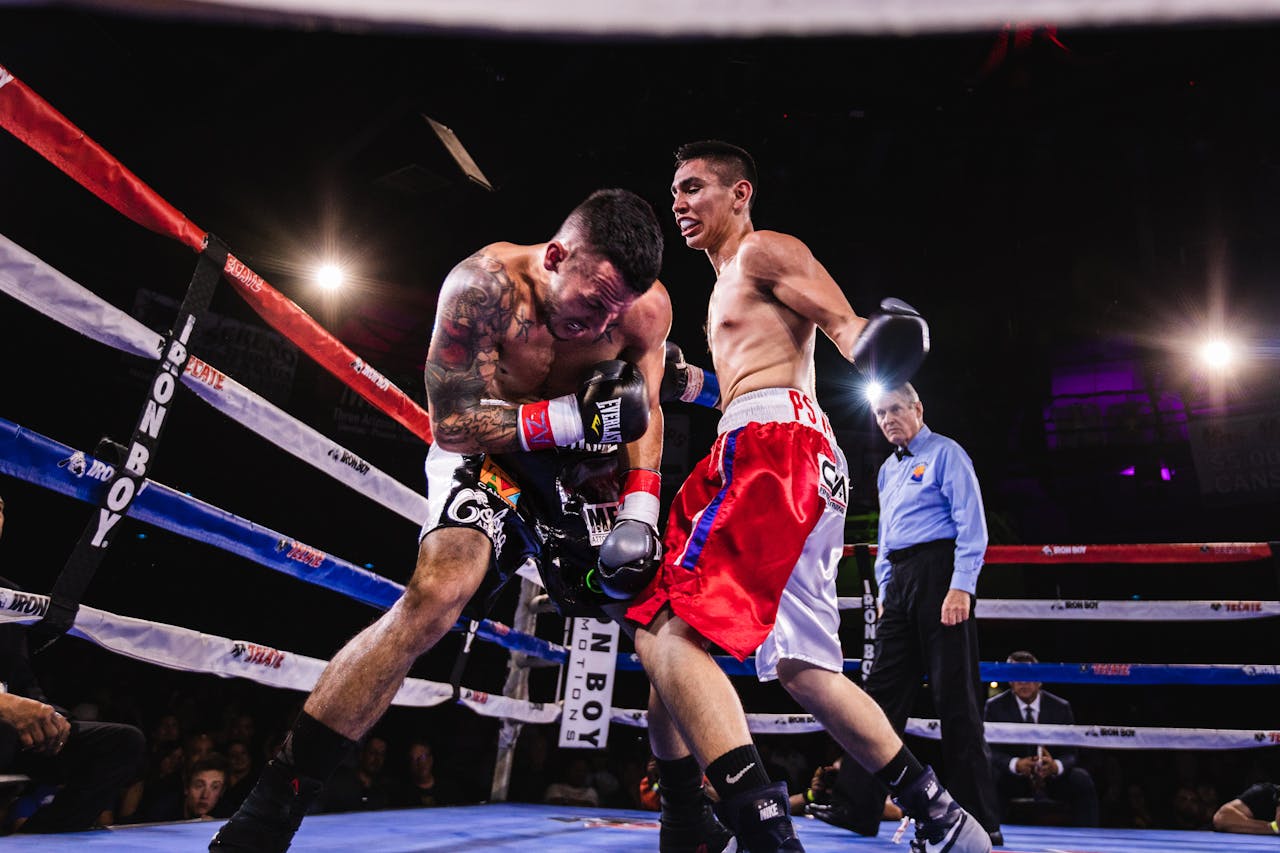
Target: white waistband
774 405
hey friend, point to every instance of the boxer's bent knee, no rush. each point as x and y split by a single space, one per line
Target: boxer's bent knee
451 564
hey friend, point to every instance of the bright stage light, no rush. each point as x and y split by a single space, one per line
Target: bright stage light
1218 354
330 276
873 390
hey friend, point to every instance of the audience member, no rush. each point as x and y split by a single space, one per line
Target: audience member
1030 769
533 755
240 778
1189 810
161 783
197 746
1140 816
1254 812
205 784
91 761
424 786
364 787
604 780
827 801
199 794
650 783
575 788
242 728
166 729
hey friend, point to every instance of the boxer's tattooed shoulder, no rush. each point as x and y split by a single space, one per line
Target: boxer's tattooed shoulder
477 306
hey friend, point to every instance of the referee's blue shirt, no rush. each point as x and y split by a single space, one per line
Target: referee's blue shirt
931 494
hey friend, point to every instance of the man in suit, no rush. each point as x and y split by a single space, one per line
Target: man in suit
1030 769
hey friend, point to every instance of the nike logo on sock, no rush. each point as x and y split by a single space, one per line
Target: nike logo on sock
735 778
896 782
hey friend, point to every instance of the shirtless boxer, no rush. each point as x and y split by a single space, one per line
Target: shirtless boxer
542 360
754 535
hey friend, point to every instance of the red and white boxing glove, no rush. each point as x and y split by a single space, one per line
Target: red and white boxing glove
631 553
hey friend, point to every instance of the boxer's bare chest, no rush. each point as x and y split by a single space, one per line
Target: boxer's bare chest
738 309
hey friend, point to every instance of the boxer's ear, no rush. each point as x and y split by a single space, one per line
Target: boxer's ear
554 256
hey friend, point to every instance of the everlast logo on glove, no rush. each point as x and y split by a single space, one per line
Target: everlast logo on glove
610 431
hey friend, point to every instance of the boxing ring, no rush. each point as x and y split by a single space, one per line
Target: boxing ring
555 829
122 488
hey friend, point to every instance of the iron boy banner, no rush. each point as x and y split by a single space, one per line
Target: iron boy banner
588 684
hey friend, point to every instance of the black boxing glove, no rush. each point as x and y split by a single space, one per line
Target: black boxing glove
687 383
893 345
631 552
611 407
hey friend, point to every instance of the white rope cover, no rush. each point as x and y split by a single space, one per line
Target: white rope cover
1082 609
192 651
39 286
710 17
1101 737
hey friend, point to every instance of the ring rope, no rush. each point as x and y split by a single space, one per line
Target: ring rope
41 287
1101 737
1097 610
193 651
1174 552
1062 673
34 458
51 135
40 460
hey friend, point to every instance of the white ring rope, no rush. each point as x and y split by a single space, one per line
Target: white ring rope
192 651
33 282
1101 737
1097 610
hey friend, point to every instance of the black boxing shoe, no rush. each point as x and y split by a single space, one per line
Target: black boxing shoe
942 826
702 834
268 818
761 820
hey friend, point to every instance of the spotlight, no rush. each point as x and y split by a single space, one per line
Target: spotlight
873 390
330 276
1218 354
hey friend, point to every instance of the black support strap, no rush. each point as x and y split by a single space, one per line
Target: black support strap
128 477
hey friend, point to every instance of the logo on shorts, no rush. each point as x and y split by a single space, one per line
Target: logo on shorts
499 482
471 507
917 473
833 485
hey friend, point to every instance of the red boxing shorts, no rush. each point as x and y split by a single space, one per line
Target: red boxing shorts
755 533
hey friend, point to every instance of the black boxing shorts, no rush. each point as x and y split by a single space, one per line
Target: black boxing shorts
550 507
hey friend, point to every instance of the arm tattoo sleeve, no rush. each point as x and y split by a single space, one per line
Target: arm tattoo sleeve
476 307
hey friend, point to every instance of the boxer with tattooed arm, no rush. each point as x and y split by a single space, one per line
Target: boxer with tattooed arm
543 378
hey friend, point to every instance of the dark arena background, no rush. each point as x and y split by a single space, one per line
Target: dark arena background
1085 210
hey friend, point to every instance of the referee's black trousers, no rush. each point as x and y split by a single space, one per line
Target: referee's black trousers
912 641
